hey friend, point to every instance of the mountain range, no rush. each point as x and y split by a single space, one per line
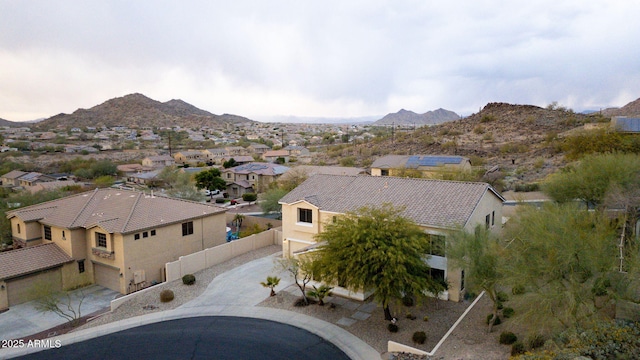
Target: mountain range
139 110
406 117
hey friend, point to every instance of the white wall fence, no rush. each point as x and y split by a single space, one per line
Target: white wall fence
200 260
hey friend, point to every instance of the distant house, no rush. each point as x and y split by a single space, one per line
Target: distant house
258 148
251 177
148 178
239 159
273 155
393 165
626 124
297 150
438 207
10 179
215 156
158 161
115 238
52 185
32 178
191 157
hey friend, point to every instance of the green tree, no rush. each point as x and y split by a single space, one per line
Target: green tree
593 177
179 184
103 168
374 249
271 283
565 257
65 304
269 200
479 255
210 180
230 163
301 270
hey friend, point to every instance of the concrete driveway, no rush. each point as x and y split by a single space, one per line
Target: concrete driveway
24 320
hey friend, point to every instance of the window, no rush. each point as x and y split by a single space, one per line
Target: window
437 274
18 228
145 234
136 237
493 218
81 266
64 236
305 216
384 172
187 228
437 244
101 240
47 232
487 221
462 280
153 232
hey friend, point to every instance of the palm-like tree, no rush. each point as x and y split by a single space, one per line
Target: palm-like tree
272 282
320 293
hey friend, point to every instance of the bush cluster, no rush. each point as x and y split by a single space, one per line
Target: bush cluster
508 338
249 197
189 279
497 321
392 328
408 300
419 337
517 348
166 295
507 312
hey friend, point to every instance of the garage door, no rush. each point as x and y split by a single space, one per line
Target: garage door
22 289
107 276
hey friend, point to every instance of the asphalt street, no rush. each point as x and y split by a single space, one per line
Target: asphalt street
212 337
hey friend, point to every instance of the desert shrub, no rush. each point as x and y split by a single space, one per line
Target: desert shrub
507 312
166 295
508 338
517 348
392 328
479 129
502 296
476 160
535 341
449 145
518 290
526 187
600 287
497 321
408 300
513 148
220 200
500 305
487 136
410 316
419 337
487 118
425 318
607 340
249 197
470 295
189 279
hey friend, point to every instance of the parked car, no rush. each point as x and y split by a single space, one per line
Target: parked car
211 192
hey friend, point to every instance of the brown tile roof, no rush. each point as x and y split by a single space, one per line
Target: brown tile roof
427 202
31 259
13 174
115 210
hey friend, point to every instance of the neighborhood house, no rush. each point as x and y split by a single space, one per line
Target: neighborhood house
115 238
438 207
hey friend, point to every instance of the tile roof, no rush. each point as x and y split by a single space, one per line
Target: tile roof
115 210
427 202
13 174
31 259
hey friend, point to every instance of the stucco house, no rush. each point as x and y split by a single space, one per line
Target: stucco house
115 238
158 161
393 165
438 207
191 157
10 179
251 177
273 155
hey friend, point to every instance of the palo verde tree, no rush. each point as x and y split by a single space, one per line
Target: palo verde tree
479 254
374 249
593 177
210 180
565 257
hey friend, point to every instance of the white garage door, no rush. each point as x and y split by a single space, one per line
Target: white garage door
22 289
107 276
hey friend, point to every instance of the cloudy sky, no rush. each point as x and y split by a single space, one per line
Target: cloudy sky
323 58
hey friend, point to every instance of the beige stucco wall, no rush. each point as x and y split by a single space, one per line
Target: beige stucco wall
4 296
488 204
73 279
114 244
30 232
152 253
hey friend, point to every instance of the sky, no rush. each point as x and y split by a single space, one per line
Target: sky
353 58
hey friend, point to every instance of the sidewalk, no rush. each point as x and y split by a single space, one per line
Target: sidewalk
233 293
